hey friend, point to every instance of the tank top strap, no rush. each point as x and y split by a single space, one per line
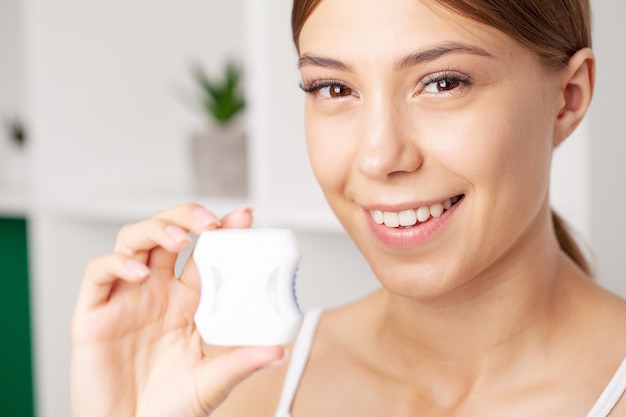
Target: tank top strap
611 395
298 361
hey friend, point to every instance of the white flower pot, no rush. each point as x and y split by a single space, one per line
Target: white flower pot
220 162
13 166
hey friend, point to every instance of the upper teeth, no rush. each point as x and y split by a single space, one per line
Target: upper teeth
410 217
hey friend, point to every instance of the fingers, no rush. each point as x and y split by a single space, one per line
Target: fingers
168 229
191 216
152 246
190 276
238 219
219 376
102 272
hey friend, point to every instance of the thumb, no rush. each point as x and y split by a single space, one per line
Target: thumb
219 376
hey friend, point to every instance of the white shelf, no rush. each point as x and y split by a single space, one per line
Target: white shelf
14 201
124 209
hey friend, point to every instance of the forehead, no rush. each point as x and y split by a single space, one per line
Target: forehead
389 28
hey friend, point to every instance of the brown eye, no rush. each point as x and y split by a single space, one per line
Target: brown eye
447 85
444 83
335 91
328 89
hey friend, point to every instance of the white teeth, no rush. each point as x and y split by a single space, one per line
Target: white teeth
377 215
423 214
436 210
409 218
391 219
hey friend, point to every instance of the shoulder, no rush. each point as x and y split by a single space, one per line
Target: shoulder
595 316
606 315
597 337
597 323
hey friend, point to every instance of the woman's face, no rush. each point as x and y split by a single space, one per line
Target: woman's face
431 137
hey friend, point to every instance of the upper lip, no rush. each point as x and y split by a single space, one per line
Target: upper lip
398 207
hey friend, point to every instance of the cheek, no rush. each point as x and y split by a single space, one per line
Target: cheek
499 147
521 146
328 145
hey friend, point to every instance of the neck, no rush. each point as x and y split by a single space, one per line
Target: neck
481 328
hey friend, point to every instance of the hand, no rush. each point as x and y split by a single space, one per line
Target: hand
135 348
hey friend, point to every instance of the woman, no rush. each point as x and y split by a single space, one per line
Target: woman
430 128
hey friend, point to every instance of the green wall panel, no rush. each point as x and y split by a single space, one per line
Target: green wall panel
16 375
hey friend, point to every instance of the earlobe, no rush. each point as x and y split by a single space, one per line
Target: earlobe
576 92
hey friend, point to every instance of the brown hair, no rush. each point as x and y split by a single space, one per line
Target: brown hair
553 29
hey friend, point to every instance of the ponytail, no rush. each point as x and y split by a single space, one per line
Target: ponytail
568 243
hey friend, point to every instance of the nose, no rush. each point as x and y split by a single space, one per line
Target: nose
388 147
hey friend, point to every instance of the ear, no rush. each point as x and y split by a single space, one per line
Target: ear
577 82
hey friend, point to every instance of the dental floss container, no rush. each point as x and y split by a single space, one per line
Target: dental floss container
247 294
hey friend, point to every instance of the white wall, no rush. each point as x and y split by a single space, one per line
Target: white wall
12 94
607 145
278 120
110 83
11 57
570 183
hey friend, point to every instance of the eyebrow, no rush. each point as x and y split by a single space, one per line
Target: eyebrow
318 61
439 51
416 58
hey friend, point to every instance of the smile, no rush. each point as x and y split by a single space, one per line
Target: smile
409 218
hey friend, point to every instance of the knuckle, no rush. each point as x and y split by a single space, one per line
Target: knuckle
177 211
95 263
129 231
102 261
126 230
122 236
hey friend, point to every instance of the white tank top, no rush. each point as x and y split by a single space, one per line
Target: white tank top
302 348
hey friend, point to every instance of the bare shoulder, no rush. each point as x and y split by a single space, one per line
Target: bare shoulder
611 342
597 324
597 333
609 313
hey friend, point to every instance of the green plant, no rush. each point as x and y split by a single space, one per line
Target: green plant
16 130
223 99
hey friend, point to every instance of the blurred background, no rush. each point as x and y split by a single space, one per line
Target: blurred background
103 122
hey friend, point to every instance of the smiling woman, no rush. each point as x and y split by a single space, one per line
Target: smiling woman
557 31
430 128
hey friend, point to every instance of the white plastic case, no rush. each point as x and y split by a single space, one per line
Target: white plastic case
247 287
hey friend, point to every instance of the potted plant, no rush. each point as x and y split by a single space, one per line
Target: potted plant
13 164
16 130
220 152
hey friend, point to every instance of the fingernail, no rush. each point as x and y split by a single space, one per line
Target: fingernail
243 209
178 234
137 268
205 216
280 361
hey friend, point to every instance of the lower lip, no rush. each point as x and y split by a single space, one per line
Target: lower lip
401 237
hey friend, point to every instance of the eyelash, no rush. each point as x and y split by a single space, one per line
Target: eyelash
463 81
311 87
451 77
